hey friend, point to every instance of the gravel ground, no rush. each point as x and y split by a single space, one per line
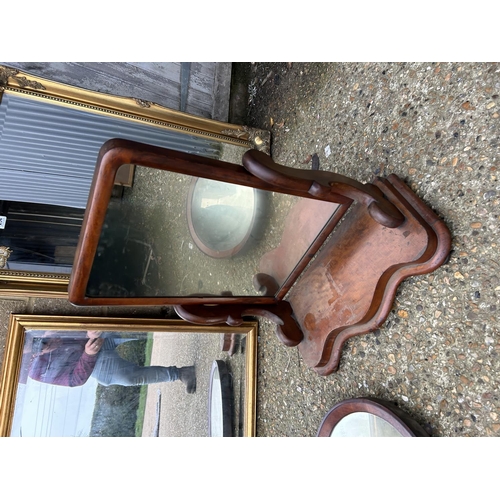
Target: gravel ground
437 127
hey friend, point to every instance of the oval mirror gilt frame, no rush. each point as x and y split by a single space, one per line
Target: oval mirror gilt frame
37 284
389 412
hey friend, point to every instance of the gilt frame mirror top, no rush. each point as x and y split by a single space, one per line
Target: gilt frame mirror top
134 110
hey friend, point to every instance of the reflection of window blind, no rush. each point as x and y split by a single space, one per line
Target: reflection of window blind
48 152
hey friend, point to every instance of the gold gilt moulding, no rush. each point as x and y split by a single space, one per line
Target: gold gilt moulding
25 85
30 86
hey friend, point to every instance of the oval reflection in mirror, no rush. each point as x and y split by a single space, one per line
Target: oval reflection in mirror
369 417
363 424
220 409
222 216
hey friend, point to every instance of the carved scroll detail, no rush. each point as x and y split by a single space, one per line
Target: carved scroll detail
142 103
287 329
234 133
324 185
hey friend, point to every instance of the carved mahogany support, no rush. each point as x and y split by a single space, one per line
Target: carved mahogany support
324 185
280 313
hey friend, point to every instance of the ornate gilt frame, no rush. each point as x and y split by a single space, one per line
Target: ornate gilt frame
19 324
32 284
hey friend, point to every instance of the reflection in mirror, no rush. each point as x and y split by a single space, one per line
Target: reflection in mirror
104 383
222 216
66 126
220 396
362 424
155 237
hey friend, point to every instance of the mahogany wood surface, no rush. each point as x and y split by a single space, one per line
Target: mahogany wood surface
350 287
324 185
280 313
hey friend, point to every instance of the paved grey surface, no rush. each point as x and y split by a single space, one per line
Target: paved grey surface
437 127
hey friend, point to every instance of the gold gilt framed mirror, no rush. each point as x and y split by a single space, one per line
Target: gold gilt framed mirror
51 387
50 137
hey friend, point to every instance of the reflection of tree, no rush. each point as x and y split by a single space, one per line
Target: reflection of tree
115 411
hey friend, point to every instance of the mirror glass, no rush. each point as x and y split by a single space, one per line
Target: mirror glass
154 237
222 216
363 424
60 394
47 160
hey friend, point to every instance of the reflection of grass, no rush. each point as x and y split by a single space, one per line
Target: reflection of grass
141 410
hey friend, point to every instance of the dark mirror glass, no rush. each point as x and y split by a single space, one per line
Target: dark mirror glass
172 235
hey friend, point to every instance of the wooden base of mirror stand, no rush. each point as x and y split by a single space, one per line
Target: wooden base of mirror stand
349 289
287 329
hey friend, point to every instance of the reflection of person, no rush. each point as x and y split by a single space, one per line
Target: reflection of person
70 361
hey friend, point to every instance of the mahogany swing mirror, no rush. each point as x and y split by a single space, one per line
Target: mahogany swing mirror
221 241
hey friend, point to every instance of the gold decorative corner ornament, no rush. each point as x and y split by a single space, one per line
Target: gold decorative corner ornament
5 74
22 81
4 256
258 138
142 103
261 139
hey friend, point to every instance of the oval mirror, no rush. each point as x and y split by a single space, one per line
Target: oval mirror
368 417
222 216
220 401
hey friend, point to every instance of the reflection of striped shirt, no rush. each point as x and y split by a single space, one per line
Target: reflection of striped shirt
68 365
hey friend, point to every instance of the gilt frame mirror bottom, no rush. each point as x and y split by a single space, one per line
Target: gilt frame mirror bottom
137 386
